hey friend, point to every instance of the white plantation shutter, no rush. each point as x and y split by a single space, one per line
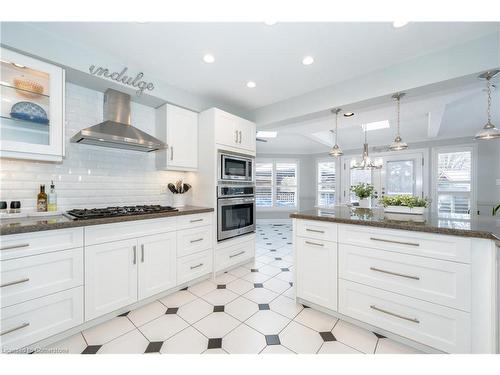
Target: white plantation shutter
326 183
286 185
276 184
264 184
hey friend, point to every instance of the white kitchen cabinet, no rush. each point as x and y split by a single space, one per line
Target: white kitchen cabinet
157 264
316 271
32 108
178 128
233 131
110 277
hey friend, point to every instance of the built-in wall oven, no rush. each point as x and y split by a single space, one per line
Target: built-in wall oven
235 210
235 167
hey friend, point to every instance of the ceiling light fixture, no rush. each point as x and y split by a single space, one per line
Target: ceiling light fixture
208 58
348 114
384 124
398 143
308 60
335 151
489 131
251 84
366 162
399 24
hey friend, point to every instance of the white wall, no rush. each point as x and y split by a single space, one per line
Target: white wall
91 176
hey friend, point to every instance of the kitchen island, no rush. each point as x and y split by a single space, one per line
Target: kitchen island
427 281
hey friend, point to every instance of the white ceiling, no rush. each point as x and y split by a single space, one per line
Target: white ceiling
269 55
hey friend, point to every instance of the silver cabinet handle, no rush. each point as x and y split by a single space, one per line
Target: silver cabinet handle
314 243
195 220
15 282
135 254
24 325
171 152
240 136
391 241
235 255
197 266
197 240
236 136
414 320
315 230
395 273
8 247
142 253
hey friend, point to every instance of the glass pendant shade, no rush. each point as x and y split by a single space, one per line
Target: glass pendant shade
489 131
335 151
398 144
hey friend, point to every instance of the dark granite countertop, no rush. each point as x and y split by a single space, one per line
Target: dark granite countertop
36 224
487 227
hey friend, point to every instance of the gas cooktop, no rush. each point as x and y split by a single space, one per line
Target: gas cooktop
96 213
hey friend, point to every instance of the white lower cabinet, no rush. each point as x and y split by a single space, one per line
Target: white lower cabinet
316 271
229 256
192 266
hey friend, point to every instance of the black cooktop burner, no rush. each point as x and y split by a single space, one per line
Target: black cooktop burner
95 213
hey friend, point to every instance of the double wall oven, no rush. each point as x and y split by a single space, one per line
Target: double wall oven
235 196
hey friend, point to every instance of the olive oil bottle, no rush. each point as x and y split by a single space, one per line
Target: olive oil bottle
52 198
41 202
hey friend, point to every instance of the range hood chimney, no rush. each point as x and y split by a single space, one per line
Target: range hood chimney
116 131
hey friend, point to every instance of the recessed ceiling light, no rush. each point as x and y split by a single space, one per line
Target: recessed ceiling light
208 58
270 22
308 60
398 24
348 114
251 84
375 125
267 134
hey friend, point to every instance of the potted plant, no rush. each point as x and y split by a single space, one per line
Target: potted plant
404 204
364 192
178 190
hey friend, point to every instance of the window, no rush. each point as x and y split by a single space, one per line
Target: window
326 183
454 181
276 184
400 177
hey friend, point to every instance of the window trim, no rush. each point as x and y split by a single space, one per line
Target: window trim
337 180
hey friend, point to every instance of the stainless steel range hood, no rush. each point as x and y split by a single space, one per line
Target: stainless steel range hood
116 130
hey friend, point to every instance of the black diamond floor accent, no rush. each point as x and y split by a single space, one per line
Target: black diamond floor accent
125 313
273 250
221 286
306 307
172 310
258 285
269 243
273 340
154 347
214 343
291 283
264 306
218 308
91 349
285 269
186 288
277 259
289 243
379 335
327 336
254 270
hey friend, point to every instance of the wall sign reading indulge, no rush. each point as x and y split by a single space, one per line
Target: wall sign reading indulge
120 77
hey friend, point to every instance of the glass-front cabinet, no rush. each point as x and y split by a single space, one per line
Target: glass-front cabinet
32 108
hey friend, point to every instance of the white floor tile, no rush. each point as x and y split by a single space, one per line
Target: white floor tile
268 322
276 285
265 259
240 286
202 288
195 310
147 313
243 340
300 339
256 277
129 343
388 346
286 306
217 325
178 299
261 295
224 278
290 293
107 331
316 320
335 347
241 308
188 341
163 327
214 351
72 345
286 276
270 270
220 297
239 272
276 349
355 337
253 265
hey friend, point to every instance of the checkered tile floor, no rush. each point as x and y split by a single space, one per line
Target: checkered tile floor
250 309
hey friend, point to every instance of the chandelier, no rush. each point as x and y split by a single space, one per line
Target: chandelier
366 162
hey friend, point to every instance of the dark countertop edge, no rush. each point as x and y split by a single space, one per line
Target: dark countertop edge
435 230
87 223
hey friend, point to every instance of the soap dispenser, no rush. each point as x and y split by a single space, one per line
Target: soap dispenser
52 198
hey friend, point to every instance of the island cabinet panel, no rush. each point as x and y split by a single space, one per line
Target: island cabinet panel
317 230
430 245
316 271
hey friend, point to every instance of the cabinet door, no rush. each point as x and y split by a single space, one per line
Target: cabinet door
110 277
157 257
246 134
182 138
226 129
32 108
316 278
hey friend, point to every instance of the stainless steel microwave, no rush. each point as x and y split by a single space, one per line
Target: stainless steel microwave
235 167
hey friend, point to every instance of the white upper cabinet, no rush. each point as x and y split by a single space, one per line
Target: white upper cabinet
233 131
32 108
178 128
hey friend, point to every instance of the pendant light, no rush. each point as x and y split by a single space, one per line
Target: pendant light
336 151
488 131
398 143
366 162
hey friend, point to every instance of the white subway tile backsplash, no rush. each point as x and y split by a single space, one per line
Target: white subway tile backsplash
92 176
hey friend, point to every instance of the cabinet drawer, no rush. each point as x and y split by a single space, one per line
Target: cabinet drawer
25 244
430 245
193 221
226 257
433 280
317 230
193 266
190 241
430 324
35 320
31 277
